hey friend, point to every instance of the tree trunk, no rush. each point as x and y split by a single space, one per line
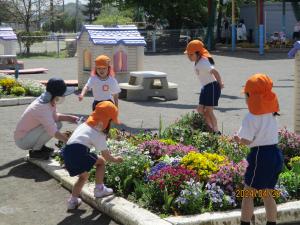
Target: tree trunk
296 8
219 23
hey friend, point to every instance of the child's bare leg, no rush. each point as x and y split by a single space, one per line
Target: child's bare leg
202 110
271 208
247 207
79 184
209 110
100 170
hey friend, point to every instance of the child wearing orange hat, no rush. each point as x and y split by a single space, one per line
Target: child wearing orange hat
77 156
210 81
104 86
259 130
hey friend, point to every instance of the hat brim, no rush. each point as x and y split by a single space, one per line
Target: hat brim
69 91
116 121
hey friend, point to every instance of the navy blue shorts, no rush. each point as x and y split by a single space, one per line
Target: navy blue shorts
210 94
96 102
265 165
78 159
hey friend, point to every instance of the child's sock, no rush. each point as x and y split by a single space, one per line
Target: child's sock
73 199
270 223
245 223
99 186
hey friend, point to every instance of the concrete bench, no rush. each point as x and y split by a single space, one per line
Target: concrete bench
143 85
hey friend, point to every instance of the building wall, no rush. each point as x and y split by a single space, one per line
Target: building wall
273 18
135 58
82 44
8 47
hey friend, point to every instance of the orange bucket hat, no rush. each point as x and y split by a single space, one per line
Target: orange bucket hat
197 46
104 112
102 61
261 98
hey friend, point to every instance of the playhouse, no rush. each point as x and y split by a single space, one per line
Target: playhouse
8 41
123 44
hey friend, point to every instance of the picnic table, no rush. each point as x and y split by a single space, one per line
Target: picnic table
143 85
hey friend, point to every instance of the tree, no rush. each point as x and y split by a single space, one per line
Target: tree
176 12
92 10
111 16
4 15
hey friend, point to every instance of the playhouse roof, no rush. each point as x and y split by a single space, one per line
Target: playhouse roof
7 34
121 34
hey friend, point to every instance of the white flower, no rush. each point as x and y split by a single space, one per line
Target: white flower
117 178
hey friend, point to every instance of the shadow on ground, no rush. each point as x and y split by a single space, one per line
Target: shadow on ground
95 218
252 55
22 169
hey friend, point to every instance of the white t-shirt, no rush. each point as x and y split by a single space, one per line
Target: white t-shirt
202 70
260 129
103 89
87 136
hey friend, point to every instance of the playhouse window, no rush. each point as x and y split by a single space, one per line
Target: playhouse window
87 57
120 61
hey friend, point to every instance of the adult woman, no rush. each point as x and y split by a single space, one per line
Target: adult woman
40 121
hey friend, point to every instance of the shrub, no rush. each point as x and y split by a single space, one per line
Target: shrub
186 128
17 91
32 87
7 84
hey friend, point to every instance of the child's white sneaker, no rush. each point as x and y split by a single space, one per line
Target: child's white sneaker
102 193
74 204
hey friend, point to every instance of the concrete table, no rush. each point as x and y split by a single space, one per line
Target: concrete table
143 85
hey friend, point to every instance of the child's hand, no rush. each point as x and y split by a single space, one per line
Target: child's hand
236 138
118 159
80 97
221 85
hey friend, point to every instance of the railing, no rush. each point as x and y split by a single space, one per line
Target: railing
156 41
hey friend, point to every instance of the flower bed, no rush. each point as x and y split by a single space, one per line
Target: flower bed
193 173
10 87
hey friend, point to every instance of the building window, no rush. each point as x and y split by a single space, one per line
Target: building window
87 58
120 61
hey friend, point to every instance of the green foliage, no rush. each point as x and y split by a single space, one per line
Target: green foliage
111 16
291 181
32 87
29 38
7 84
122 176
17 91
187 129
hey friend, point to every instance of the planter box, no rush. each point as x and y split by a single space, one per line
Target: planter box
16 101
129 213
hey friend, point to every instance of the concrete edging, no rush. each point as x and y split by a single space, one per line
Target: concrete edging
129 213
16 101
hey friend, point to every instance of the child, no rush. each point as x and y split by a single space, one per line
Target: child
259 130
103 84
77 157
210 81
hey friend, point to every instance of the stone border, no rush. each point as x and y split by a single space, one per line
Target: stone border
129 213
16 101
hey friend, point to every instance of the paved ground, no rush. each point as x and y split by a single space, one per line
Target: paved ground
30 196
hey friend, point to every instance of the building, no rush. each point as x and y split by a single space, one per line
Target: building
123 44
273 13
8 41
